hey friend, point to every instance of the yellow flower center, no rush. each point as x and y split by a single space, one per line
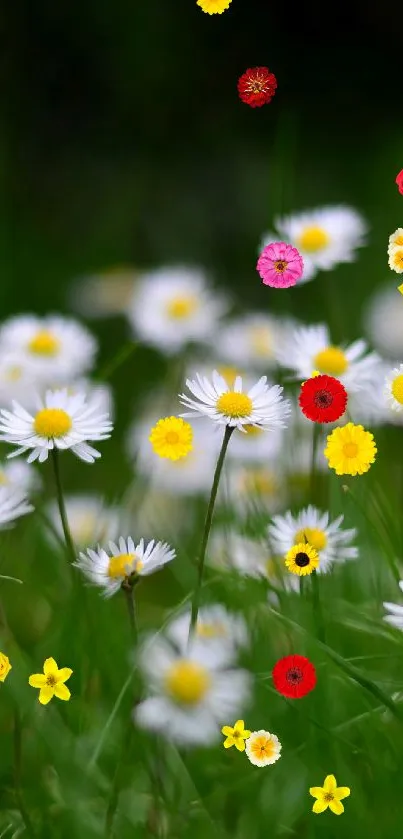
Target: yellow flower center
261 342
13 374
229 374
52 422
315 537
172 437
181 307
331 360
398 241
397 389
234 405
259 482
187 682
313 239
118 565
328 796
44 343
350 449
252 430
3 478
263 747
211 630
51 680
397 258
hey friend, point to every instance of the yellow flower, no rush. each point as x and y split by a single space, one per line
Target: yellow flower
214 7
400 288
330 795
350 450
5 667
172 438
302 559
263 748
396 260
236 736
51 682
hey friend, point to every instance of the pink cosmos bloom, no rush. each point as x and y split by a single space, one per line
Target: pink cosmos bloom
280 265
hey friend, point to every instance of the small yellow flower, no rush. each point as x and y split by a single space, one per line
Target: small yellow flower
51 682
172 438
5 667
214 7
400 288
302 559
330 795
350 450
236 736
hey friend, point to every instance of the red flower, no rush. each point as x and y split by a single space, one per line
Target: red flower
323 399
257 86
399 181
294 676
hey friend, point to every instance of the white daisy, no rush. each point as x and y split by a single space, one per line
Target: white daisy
394 389
13 505
61 422
395 618
90 521
383 321
18 380
252 488
58 349
324 237
192 695
109 569
250 341
105 294
99 392
261 405
263 748
19 475
312 526
310 348
214 624
172 307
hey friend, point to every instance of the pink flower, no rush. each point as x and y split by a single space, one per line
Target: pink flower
280 265
399 181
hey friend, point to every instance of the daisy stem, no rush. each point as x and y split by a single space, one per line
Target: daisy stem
313 475
61 505
121 356
207 527
131 609
17 773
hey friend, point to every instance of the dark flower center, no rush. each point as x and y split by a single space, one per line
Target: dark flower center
328 796
294 675
302 560
280 265
323 399
50 681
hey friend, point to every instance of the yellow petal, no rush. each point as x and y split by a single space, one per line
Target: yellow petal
228 742
240 744
246 734
64 674
342 792
400 288
317 792
50 667
37 680
227 730
330 784
239 725
320 806
45 695
336 807
62 692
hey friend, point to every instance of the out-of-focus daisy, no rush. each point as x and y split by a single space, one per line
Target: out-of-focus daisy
250 488
395 260
17 379
172 438
90 520
5 666
261 405
256 445
51 682
13 505
294 676
394 389
214 624
257 86
323 399
399 181
214 7
235 735
324 237
19 475
302 559
350 450
106 294
330 795
58 349
62 422
395 618
383 321
122 562
395 240
280 265
263 748
314 527
229 550
173 307
250 341
310 348
192 694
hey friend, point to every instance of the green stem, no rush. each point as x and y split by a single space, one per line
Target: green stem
17 774
128 590
207 527
117 782
62 508
313 473
121 356
317 608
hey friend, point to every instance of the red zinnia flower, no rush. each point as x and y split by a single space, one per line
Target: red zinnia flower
294 676
323 399
257 86
399 181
